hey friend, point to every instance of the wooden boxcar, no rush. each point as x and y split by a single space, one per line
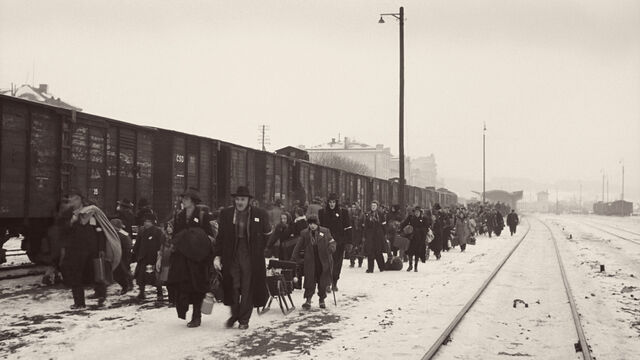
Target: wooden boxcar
48 151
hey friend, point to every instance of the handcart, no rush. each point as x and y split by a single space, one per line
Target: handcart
280 284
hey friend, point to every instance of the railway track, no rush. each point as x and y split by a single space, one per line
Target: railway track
580 346
616 228
637 242
15 271
20 271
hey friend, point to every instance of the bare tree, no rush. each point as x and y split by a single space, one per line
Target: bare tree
342 163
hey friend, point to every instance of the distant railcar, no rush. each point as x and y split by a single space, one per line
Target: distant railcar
614 208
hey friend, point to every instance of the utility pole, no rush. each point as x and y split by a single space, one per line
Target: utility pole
580 201
484 131
400 17
263 139
607 188
602 185
622 194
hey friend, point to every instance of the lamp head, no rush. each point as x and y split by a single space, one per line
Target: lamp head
381 21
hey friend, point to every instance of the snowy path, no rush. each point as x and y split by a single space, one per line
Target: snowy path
390 315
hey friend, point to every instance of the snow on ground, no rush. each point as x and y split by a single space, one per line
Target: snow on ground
499 326
389 315
12 246
381 315
609 302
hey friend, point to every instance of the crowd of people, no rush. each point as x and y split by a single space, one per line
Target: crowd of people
222 252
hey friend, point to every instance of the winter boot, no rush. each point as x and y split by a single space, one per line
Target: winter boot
243 326
416 268
411 265
160 295
230 322
195 322
335 286
307 304
196 315
322 304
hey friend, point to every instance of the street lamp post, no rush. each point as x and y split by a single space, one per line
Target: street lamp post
400 16
484 132
622 194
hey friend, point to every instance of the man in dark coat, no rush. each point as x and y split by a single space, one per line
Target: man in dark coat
418 238
490 221
190 265
318 246
374 235
355 250
145 253
513 221
239 253
83 240
338 222
122 275
499 223
437 244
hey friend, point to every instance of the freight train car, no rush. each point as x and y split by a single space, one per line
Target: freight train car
614 208
48 151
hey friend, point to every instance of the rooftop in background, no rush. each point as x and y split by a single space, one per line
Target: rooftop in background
346 144
38 94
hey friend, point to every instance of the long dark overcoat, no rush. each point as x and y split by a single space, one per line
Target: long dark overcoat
374 231
188 274
146 249
326 247
338 222
438 242
259 230
418 239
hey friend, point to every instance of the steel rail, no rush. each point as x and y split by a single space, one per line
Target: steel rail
614 227
582 340
609 232
443 338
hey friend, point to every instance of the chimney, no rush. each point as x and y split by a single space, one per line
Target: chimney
43 88
346 142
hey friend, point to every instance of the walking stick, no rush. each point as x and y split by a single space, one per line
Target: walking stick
331 271
335 302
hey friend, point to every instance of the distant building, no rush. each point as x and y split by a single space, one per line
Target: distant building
294 152
376 158
505 197
541 205
394 169
424 171
38 94
543 196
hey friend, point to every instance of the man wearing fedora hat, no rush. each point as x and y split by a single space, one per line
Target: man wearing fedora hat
239 253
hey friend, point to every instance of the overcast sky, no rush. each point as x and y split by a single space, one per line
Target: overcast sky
556 81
